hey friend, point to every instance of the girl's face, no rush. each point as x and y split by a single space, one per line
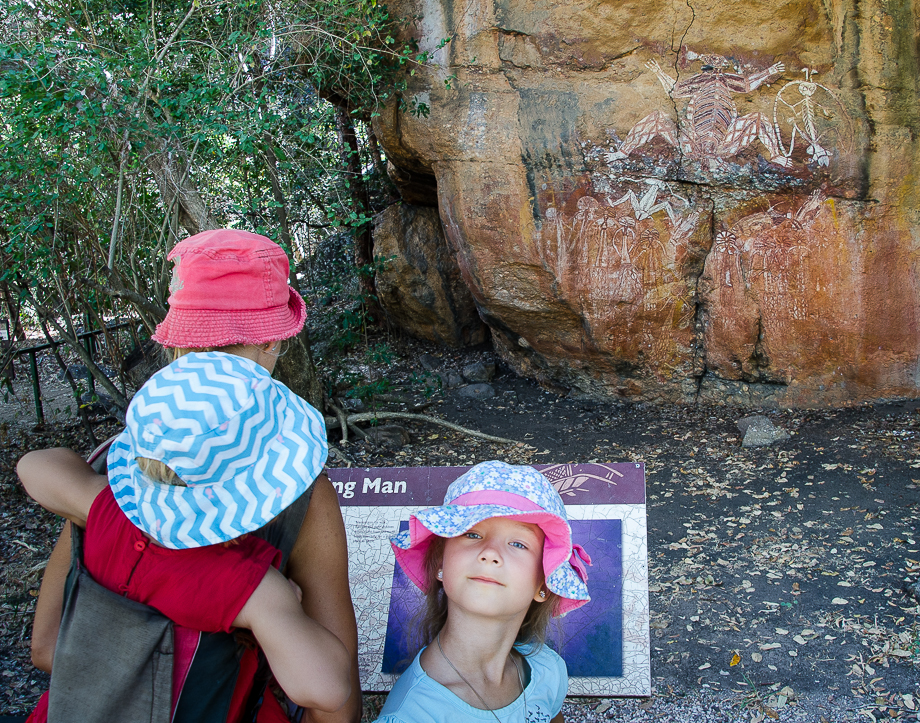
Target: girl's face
496 568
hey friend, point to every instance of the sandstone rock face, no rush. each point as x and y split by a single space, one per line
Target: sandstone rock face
680 201
420 287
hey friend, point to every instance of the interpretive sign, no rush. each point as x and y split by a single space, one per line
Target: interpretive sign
605 643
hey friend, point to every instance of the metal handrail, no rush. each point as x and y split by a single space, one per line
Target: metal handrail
80 335
33 364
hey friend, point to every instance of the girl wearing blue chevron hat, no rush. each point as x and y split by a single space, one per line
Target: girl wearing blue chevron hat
215 449
495 561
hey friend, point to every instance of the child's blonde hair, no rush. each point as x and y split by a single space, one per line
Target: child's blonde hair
160 472
533 629
178 351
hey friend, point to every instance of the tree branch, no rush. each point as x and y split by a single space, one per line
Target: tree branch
332 423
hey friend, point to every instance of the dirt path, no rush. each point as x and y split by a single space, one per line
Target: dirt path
777 574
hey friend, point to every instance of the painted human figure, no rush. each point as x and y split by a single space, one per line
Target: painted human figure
647 205
625 280
713 131
779 246
808 118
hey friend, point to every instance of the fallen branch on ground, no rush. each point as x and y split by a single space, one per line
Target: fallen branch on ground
342 422
345 424
351 419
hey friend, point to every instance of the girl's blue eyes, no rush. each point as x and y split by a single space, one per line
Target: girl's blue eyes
477 536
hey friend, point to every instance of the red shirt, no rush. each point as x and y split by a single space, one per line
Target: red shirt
199 589
202 588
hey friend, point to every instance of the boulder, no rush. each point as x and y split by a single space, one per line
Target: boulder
479 372
419 283
391 436
100 403
745 423
354 405
451 379
759 431
477 391
727 211
429 362
78 372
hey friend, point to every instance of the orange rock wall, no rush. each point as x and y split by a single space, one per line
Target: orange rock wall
674 201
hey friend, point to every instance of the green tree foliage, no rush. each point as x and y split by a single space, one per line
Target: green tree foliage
125 125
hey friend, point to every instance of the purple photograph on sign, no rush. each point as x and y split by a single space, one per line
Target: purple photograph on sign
590 639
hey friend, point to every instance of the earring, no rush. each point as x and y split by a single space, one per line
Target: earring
543 594
440 574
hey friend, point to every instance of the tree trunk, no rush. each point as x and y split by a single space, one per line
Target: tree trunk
297 371
177 190
360 201
281 216
374 148
17 332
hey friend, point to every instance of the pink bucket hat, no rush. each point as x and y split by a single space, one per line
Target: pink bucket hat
229 287
496 489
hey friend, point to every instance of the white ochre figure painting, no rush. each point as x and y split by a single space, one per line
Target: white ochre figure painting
713 128
712 131
810 113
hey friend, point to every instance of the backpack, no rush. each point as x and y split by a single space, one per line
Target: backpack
130 646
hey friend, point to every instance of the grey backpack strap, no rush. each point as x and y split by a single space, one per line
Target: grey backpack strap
114 656
282 532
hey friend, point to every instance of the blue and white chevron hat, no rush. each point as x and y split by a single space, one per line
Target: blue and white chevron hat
496 489
245 445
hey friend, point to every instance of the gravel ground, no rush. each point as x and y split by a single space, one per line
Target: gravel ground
17 403
780 576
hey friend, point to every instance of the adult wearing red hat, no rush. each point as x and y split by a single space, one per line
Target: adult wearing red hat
229 293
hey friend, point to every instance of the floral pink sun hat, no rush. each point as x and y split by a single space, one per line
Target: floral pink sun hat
496 489
229 287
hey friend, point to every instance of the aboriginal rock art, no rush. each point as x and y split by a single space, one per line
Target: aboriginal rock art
620 249
713 130
648 204
811 112
768 255
623 253
768 285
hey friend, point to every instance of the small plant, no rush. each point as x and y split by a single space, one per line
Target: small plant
366 392
427 384
911 639
418 108
380 354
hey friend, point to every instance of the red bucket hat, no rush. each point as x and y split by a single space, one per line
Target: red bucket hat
229 287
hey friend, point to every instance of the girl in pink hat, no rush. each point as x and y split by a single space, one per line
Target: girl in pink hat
496 561
214 449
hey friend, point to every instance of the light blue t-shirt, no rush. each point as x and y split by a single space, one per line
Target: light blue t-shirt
416 698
